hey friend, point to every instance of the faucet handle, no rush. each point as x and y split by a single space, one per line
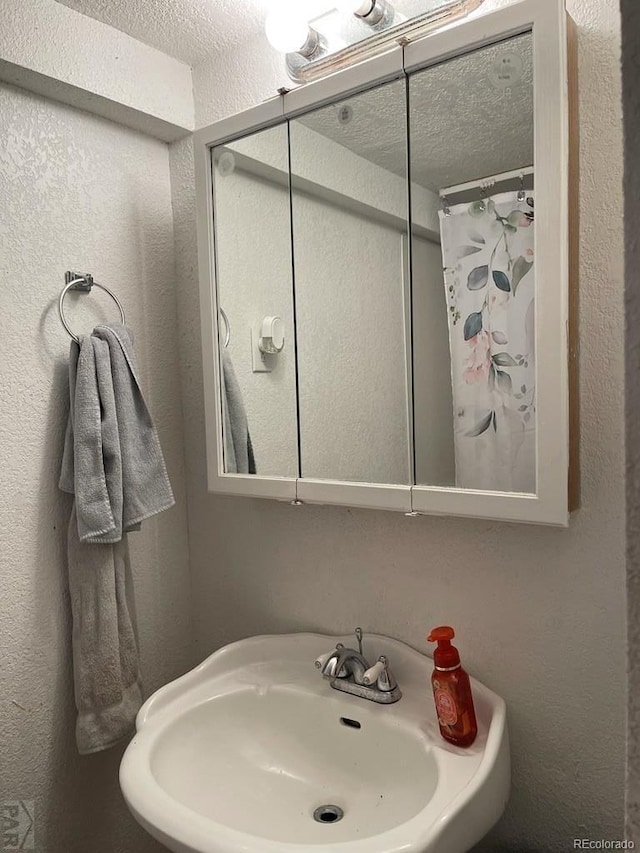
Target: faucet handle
372 675
327 663
321 661
380 675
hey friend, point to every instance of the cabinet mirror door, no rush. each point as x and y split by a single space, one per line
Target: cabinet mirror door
350 230
255 304
473 271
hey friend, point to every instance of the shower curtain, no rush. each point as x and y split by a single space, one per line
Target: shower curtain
488 257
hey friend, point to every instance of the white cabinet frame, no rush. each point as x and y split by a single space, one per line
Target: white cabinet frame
556 181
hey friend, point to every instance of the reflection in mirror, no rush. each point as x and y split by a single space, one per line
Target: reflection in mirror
255 299
350 211
471 141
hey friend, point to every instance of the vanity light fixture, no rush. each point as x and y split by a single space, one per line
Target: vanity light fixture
289 32
371 12
325 36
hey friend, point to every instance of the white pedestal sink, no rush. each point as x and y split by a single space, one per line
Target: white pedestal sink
237 756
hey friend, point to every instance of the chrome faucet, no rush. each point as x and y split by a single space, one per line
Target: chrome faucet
350 672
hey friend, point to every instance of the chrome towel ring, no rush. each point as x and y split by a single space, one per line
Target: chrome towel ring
227 333
84 283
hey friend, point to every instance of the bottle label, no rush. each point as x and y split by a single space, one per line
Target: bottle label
445 707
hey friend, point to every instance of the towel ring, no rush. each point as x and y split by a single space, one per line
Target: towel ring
83 283
227 334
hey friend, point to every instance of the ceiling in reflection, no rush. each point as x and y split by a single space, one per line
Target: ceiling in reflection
468 120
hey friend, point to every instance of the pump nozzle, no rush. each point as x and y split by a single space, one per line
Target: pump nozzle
445 656
442 633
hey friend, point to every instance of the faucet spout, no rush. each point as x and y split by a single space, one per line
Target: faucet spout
354 665
349 672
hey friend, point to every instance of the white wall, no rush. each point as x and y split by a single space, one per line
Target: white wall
90 65
77 193
540 612
432 394
351 346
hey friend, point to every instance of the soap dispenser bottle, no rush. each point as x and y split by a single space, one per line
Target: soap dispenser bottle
452 691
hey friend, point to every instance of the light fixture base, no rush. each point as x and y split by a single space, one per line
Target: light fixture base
377 14
369 38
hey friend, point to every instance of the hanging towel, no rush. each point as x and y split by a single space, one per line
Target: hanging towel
113 465
104 642
238 450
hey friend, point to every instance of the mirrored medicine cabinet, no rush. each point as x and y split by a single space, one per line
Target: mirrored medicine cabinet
387 263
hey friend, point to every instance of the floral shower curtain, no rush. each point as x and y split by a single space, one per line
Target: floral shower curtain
488 254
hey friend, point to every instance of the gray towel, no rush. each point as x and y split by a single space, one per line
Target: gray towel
238 450
106 676
113 465
112 457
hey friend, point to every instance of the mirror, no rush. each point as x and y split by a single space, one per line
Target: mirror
350 228
364 345
471 141
254 283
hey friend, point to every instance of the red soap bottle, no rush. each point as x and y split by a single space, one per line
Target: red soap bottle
452 691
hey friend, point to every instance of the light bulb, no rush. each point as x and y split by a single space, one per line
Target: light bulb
361 8
288 31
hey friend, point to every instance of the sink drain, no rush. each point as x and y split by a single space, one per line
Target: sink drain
328 814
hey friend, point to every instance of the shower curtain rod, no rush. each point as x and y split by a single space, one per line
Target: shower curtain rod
486 182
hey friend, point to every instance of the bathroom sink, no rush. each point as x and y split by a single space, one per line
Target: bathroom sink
253 752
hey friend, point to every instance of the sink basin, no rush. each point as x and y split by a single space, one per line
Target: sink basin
239 754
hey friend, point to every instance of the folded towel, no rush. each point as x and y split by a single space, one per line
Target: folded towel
112 458
238 450
113 465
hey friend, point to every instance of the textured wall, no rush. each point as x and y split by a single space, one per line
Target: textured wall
540 611
432 392
77 192
351 347
86 63
631 93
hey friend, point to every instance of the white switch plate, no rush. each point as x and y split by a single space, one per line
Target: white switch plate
259 361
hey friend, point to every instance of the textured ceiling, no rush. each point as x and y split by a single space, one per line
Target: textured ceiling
190 30
463 126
